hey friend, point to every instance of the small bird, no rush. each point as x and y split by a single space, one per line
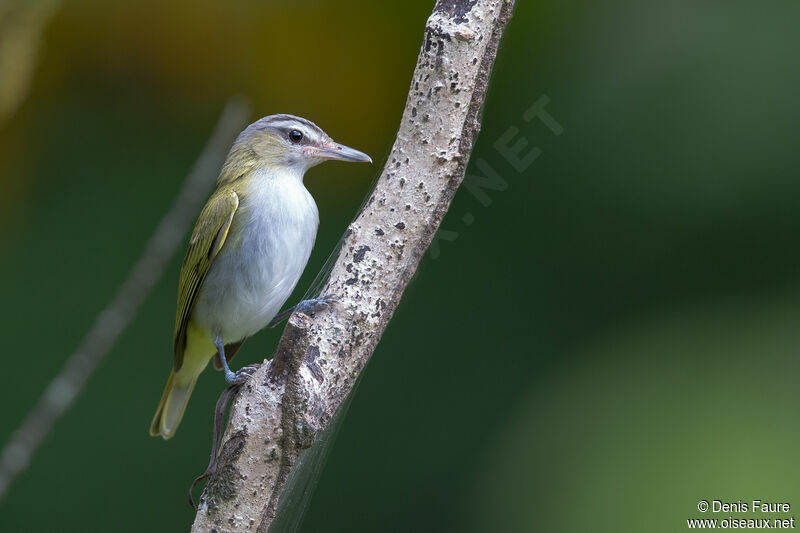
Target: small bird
247 251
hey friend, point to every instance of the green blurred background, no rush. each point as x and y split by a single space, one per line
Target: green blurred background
611 340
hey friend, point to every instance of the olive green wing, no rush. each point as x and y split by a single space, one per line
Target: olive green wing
208 238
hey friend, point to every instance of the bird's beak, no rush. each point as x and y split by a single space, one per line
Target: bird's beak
342 153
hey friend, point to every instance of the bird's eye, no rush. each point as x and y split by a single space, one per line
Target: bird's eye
295 136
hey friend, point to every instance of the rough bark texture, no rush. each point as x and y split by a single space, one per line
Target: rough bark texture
291 398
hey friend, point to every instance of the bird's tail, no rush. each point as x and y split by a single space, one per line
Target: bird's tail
171 407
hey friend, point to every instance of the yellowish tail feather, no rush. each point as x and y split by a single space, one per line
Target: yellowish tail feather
171 407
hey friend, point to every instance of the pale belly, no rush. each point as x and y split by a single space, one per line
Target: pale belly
253 275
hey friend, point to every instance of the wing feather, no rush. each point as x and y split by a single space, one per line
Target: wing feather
208 238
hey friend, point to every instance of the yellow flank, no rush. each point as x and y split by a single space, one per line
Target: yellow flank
198 352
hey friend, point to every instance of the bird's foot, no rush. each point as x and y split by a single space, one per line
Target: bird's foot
241 375
315 305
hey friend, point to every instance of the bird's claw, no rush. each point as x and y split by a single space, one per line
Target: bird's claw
315 305
241 375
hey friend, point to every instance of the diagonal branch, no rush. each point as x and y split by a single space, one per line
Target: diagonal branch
291 398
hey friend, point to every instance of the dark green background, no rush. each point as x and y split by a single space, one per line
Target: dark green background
611 340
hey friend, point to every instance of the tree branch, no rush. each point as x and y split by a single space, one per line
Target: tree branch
294 396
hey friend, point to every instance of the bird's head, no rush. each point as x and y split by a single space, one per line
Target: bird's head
285 143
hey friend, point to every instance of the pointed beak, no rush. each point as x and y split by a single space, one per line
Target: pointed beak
342 153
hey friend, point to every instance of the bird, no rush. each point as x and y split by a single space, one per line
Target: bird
248 248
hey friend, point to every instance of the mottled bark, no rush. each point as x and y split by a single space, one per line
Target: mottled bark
279 411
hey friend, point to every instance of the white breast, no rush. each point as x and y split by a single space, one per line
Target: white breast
256 272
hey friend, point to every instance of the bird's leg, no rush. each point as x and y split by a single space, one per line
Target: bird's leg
233 378
230 377
307 307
